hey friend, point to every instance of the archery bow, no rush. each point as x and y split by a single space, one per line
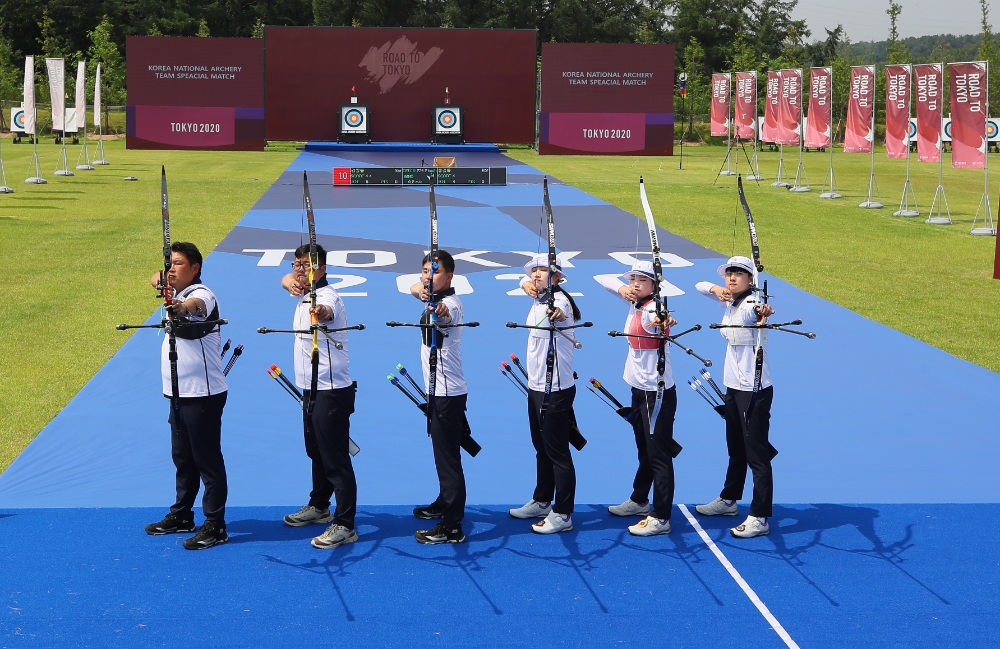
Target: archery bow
164 289
313 318
431 314
661 306
550 299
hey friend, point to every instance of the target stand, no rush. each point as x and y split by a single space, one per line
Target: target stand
355 124
448 124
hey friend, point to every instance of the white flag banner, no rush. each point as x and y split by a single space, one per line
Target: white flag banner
29 95
57 92
81 95
97 97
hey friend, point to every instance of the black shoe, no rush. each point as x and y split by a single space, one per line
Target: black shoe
171 524
428 512
441 534
210 534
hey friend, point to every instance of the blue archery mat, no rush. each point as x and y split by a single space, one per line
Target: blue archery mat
861 414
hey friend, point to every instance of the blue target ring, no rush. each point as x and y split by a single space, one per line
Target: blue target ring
354 118
911 130
947 129
19 119
991 129
447 119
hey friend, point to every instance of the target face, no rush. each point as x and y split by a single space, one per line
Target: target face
19 120
947 129
991 129
911 130
447 119
354 118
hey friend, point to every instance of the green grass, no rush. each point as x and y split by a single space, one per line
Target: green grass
931 282
76 256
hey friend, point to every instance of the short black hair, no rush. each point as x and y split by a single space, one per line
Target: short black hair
739 270
189 250
303 251
444 258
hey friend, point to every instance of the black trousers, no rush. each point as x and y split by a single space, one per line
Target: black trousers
447 429
749 446
196 447
656 464
327 445
555 473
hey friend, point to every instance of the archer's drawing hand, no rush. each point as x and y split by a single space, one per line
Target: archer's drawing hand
722 293
627 292
530 289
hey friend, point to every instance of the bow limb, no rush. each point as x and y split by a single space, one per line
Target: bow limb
661 309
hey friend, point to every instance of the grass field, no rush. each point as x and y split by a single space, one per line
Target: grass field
929 281
76 255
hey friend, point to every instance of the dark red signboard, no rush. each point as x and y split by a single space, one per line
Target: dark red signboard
400 73
195 93
606 98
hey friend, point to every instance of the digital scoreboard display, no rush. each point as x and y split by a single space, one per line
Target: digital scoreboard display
420 175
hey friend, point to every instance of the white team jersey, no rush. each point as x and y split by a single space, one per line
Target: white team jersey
333 364
450 380
199 362
538 347
740 358
640 364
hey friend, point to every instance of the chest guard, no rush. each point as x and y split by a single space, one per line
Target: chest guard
635 327
191 329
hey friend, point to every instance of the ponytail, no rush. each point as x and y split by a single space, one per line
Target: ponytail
576 310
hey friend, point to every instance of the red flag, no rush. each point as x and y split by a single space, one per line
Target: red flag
968 114
790 107
859 137
769 130
819 129
897 110
745 110
929 83
721 92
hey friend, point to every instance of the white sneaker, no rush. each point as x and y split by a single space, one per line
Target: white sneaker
308 515
649 526
533 509
333 536
629 508
718 507
553 523
750 528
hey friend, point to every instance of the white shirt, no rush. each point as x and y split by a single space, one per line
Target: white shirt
449 377
740 357
640 364
333 363
538 347
199 362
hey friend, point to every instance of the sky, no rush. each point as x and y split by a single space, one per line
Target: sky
866 20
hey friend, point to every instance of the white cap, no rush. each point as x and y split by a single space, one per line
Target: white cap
541 259
643 268
743 263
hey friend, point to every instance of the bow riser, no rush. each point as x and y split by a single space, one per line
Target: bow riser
313 271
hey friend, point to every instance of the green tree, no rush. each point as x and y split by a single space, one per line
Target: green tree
988 51
10 74
203 30
103 50
258 29
898 53
53 45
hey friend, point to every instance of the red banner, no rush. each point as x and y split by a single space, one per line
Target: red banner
859 135
769 130
819 129
721 92
968 114
790 107
929 83
897 110
745 110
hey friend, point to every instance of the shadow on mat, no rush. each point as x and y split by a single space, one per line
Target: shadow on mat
814 520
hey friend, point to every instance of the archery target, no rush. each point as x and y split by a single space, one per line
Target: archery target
946 129
17 120
447 120
911 129
354 119
992 130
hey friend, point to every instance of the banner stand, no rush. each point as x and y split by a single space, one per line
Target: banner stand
4 189
801 180
872 183
84 152
781 169
989 229
728 171
101 160
939 192
904 202
63 159
100 147
832 193
755 164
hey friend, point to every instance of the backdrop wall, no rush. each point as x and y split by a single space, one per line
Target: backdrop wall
400 73
603 98
195 93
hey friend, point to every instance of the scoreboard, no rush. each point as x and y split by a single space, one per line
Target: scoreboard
420 175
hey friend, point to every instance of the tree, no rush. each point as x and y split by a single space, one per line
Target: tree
103 50
10 75
203 31
898 53
53 45
988 52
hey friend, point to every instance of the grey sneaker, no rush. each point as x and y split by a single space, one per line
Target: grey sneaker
750 528
629 508
333 536
308 515
533 509
718 507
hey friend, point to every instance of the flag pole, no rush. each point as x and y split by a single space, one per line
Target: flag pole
873 189
989 227
755 165
801 180
904 203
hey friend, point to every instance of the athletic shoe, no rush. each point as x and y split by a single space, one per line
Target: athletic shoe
718 507
333 536
441 533
428 512
533 509
210 534
170 524
308 515
629 508
552 524
650 526
750 528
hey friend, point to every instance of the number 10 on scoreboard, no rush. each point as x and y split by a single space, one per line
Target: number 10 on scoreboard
341 175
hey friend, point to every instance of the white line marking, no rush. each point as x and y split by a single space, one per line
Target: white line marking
773 621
